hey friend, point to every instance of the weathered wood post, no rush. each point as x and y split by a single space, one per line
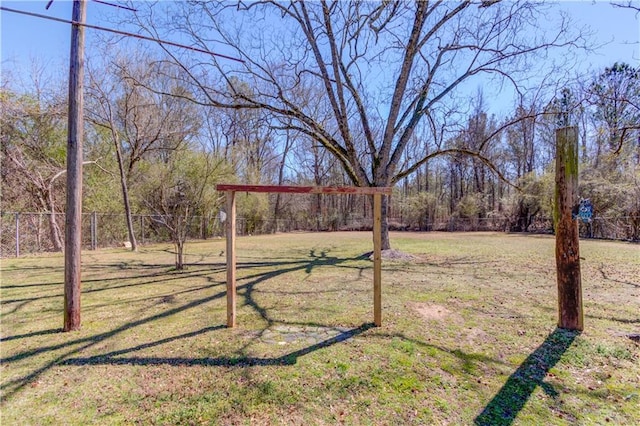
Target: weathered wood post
73 224
17 234
377 259
570 314
231 259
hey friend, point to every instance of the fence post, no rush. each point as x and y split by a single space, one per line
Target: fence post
94 229
142 228
17 234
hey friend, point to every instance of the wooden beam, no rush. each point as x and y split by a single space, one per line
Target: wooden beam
570 313
377 260
231 259
367 190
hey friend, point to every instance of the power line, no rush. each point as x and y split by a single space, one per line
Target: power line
101 2
115 5
120 32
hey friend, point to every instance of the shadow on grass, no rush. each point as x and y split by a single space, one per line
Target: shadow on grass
74 346
509 401
606 276
114 358
160 277
32 334
614 319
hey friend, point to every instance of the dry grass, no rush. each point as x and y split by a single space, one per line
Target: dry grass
468 335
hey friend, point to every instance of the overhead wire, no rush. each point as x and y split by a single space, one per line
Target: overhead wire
120 32
101 2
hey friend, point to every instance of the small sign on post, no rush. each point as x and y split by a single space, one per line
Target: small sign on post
584 211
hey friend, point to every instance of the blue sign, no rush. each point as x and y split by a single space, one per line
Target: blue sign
585 211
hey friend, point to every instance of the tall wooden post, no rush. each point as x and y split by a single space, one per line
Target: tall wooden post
231 259
73 224
377 259
570 314
17 217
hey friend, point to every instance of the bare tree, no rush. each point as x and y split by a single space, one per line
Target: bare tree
33 149
615 96
179 189
628 4
385 69
33 131
139 123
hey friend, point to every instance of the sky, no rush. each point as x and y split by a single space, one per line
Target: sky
24 38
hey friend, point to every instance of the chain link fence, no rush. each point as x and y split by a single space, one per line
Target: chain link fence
27 233
626 228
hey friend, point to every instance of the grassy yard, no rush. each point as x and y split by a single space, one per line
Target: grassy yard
468 335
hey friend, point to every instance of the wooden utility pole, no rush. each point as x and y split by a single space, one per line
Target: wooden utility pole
570 314
73 222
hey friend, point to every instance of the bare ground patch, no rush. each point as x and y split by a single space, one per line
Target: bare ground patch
430 311
393 254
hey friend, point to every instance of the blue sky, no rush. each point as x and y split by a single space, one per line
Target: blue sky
24 38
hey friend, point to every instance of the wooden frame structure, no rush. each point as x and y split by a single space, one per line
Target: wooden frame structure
377 193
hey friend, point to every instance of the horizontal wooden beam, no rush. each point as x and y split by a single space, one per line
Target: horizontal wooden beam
366 190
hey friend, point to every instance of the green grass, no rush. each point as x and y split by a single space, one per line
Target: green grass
468 335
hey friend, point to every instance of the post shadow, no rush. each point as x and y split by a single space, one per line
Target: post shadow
509 401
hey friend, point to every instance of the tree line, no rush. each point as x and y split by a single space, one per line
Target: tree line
369 94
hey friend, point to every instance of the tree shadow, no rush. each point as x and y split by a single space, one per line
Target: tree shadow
32 334
77 345
615 319
509 401
279 268
154 278
606 276
114 358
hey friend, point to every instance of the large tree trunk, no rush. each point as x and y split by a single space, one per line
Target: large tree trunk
276 208
386 244
54 229
384 217
125 196
179 254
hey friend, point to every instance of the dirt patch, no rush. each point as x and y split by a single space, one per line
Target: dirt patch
285 334
430 311
393 254
478 335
